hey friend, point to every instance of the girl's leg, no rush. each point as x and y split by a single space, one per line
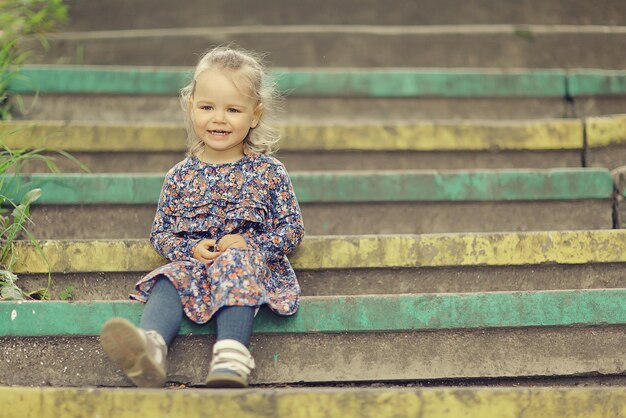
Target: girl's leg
141 352
164 311
235 323
232 363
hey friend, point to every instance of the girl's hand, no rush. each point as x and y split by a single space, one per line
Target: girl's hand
232 241
202 251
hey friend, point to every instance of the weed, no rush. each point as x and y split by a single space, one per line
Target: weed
67 293
15 216
19 19
524 34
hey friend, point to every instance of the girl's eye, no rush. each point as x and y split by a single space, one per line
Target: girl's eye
233 110
206 107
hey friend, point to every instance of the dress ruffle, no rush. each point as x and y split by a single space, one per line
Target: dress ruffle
201 200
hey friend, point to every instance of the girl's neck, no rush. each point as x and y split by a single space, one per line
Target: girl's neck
231 156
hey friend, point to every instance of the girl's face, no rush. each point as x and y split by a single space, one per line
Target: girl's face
222 116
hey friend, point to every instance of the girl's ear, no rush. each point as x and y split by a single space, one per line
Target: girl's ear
258 112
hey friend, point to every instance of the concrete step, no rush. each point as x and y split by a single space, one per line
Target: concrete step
357 265
155 109
503 46
619 176
606 141
144 148
505 402
389 95
595 93
388 402
411 201
357 338
123 14
319 82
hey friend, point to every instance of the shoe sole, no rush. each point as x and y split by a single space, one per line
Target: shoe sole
124 345
225 381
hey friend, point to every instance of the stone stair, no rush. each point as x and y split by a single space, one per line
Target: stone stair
454 166
359 324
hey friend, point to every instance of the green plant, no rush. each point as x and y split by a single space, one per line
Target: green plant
15 216
524 34
19 19
67 293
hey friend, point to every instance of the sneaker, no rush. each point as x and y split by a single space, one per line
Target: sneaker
231 365
140 354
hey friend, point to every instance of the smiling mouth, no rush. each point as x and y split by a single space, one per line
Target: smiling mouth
219 132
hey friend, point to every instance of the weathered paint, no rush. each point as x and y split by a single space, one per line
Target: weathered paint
366 251
363 313
352 82
593 82
94 137
506 402
606 131
368 83
556 134
414 83
363 186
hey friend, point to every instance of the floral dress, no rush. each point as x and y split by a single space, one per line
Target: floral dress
252 197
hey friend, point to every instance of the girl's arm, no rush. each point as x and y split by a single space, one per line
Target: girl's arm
170 245
286 229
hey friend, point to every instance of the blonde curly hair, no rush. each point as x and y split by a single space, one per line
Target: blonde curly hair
250 77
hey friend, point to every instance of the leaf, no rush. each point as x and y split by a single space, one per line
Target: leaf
8 289
20 214
30 197
11 293
7 277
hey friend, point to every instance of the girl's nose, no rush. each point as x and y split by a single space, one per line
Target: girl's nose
219 116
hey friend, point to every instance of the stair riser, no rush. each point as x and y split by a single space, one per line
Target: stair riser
122 14
160 162
523 49
550 352
609 157
135 221
167 109
117 286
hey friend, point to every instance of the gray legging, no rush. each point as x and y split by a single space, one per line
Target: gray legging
164 311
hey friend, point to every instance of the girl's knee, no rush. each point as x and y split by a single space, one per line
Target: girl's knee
239 263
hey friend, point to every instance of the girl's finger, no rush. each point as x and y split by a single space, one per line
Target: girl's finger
210 255
224 244
207 243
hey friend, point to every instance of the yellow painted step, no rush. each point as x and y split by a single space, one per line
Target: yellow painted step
19 402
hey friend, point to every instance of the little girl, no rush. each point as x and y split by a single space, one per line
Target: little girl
226 219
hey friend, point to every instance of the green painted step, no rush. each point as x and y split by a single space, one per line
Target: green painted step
451 402
303 82
343 339
349 314
340 82
588 82
426 186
